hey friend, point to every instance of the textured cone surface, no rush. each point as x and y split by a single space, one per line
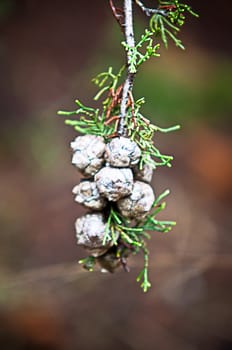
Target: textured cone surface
144 174
114 183
88 154
88 195
90 232
121 152
138 203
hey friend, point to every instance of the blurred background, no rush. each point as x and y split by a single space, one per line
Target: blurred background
49 52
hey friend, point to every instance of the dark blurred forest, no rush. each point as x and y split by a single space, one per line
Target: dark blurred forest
49 52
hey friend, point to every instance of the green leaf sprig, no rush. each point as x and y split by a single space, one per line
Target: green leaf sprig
134 235
114 92
168 25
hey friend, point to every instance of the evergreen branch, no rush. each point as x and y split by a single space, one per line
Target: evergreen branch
120 115
135 235
169 14
93 124
135 57
143 134
128 84
143 275
149 11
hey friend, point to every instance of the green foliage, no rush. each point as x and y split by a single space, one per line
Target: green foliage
107 81
134 235
165 22
139 129
135 56
142 131
89 122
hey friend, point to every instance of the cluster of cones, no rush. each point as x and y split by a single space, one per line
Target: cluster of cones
112 178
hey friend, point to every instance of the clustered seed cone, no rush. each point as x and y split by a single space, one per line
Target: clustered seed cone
121 152
88 154
88 194
138 203
90 232
143 174
114 176
114 183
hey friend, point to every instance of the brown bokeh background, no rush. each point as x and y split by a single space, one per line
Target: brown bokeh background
49 51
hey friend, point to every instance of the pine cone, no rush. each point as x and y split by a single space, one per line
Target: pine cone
121 152
90 232
114 183
144 174
88 195
114 258
138 203
88 154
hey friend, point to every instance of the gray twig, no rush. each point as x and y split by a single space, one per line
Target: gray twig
150 11
127 87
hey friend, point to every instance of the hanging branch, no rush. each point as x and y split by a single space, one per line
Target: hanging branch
128 84
117 153
149 11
